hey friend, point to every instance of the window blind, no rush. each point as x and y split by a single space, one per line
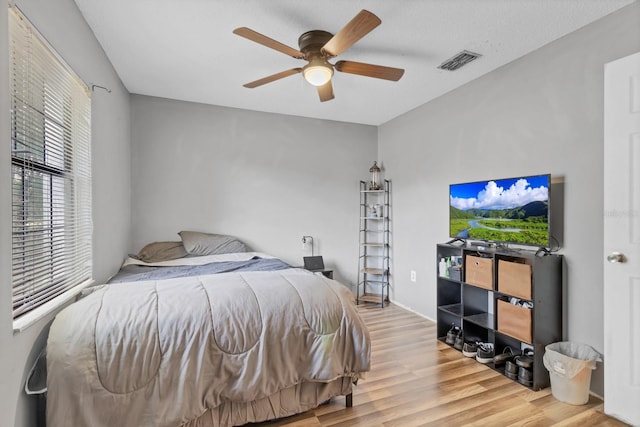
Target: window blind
50 171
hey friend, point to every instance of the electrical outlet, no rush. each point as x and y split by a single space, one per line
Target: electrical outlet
413 275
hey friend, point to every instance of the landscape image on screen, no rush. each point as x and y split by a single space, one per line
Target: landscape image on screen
505 210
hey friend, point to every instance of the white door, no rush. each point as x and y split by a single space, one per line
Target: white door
622 239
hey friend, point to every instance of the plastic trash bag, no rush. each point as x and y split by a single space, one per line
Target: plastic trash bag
567 358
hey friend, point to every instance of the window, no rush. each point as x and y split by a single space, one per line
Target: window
50 172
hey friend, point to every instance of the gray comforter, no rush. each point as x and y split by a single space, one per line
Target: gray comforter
136 273
164 352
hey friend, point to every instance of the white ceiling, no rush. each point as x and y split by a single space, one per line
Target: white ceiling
186 49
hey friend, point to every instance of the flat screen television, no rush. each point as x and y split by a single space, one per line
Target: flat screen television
513 210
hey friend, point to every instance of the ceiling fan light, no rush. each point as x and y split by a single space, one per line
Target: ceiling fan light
317 75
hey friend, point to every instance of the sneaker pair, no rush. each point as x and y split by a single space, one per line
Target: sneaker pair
453 334
484 353
470 349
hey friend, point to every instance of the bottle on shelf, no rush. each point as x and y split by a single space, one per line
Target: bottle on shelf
442 268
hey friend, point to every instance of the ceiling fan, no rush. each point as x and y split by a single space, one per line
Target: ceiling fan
317 47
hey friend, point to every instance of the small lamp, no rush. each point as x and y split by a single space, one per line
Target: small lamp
375 177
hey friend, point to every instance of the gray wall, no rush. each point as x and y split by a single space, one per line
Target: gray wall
267 179
63 26
540 114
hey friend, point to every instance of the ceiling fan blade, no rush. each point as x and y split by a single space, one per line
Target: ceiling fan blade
369 70
326 92
273 78
355 29
254 36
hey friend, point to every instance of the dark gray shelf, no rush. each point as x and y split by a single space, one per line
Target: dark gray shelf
474 308
484 320
455 309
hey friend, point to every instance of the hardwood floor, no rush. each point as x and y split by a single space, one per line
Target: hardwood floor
415 380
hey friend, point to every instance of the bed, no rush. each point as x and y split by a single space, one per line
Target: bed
203 340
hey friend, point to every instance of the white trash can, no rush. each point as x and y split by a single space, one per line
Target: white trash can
570 365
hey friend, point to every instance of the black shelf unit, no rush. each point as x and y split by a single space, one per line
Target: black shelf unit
476 310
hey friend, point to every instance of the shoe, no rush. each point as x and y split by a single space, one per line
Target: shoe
458 344
452 334
525 377
511 370
470 349
484 353
507 354
526 359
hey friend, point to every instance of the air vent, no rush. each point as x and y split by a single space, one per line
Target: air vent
459 60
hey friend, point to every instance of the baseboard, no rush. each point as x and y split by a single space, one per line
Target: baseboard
411 310
596 395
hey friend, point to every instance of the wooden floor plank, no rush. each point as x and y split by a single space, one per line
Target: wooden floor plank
417 380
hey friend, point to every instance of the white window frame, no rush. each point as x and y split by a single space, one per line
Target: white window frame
51 254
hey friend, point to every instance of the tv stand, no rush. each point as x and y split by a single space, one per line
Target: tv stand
476 298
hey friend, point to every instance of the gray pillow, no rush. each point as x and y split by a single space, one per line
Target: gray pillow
161 251
197 243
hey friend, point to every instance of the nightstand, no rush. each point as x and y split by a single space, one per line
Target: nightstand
326 273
